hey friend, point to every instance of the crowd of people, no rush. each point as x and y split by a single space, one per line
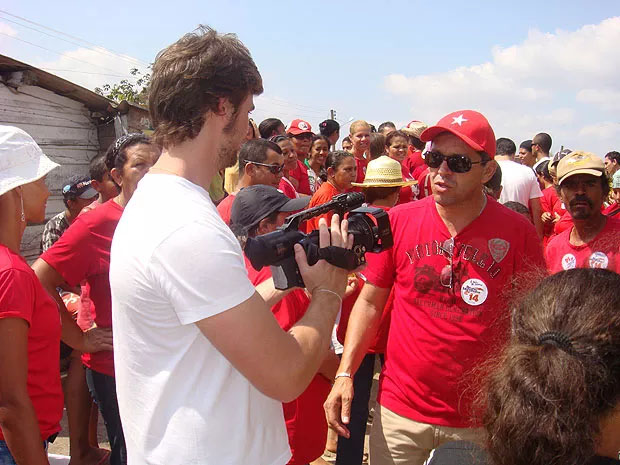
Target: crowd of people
494 315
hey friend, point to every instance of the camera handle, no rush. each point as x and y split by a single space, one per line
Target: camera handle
286 273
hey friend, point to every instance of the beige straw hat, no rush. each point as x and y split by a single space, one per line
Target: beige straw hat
384 172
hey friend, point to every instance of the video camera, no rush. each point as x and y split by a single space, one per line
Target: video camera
275 249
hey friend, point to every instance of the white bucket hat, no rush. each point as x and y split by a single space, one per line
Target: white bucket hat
21 160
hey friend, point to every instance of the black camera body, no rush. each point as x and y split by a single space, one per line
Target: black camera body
369 226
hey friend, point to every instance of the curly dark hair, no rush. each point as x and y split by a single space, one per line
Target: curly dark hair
560 374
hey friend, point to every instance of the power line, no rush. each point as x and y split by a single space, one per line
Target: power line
103 51
87 72
61 54
125 57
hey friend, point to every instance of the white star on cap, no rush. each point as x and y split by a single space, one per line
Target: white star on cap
459 120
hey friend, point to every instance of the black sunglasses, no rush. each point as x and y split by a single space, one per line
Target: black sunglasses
456 163
273 169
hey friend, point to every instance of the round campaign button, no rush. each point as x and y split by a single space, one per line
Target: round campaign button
598 260
569 261
474 292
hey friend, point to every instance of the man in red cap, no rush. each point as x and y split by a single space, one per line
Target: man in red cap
455 255
300 133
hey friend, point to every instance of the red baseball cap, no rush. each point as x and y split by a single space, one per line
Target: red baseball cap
299 126
469 126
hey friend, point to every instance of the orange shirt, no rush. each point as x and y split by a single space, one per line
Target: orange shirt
321 196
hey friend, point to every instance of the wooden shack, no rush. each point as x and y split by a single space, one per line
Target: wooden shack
70 123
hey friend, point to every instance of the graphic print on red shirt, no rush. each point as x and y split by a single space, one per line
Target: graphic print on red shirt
22 296
304 417
449 314
83 253
601 252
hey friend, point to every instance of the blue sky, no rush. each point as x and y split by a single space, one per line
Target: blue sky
528 66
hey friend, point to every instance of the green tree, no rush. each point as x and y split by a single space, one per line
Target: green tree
132 92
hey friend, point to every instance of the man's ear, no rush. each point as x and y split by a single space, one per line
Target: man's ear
224 107
488 170
263 227
330 172
95 185
249 169
116 177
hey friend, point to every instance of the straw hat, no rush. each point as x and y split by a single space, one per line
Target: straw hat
21 160
415 128
384 172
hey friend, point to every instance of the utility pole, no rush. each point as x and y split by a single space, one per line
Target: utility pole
332 114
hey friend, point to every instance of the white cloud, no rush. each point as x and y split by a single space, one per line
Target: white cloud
554 82
92 68
606 131
606 99
8 30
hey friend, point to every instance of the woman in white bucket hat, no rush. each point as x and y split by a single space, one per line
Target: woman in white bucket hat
29 324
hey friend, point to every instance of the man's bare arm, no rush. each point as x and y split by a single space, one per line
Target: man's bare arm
363 325
281 364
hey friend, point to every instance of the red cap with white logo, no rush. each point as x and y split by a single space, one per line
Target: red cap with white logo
469 126
299 126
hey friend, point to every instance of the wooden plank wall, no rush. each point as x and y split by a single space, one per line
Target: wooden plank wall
66 133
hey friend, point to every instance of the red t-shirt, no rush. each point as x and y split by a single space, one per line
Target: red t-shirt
601 252
224 208
360 164
301 175
323 195
305 419
287 187
563 224
380 341
549 199
424 182
612 209
547 204
22 296
414 160
440 333
406 193
83 253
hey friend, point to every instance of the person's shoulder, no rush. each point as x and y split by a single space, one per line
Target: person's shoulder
417 205
226 203
506 218
9 260
559 239
13 267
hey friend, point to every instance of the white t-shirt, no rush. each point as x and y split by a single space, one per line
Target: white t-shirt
519 183
175 262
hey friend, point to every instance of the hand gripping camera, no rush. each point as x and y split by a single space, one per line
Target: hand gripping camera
370 228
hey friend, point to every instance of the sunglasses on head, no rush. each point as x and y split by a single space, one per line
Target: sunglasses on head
273 169
456 163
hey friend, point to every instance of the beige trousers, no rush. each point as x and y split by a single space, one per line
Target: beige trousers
399 440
